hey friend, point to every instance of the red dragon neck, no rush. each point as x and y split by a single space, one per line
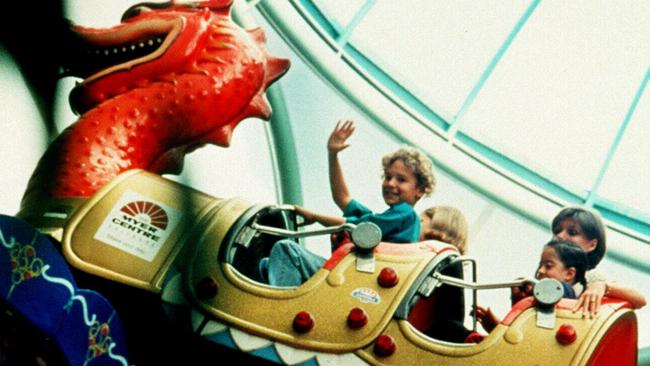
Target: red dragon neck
120 135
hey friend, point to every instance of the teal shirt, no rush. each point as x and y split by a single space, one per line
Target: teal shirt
399 224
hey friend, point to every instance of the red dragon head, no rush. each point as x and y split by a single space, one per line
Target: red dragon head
220 71
171 77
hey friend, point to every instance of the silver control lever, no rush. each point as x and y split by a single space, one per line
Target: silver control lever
366 236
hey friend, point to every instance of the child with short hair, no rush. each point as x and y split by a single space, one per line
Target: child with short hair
408 176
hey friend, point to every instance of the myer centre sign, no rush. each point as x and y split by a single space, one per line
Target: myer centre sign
138 225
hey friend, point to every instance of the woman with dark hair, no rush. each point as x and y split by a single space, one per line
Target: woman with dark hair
584 227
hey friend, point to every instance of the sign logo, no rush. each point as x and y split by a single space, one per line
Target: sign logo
366 295
138 225
146 212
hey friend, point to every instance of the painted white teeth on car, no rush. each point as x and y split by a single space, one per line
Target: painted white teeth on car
247 342
220 333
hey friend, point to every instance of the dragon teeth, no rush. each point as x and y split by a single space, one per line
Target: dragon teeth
247 342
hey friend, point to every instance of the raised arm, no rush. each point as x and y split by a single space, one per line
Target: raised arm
335 144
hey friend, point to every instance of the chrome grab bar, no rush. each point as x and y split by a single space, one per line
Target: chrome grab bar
485 286
300 234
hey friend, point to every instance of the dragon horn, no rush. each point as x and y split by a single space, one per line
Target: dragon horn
258 107
276 67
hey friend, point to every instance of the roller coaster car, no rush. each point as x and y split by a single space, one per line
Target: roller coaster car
371 303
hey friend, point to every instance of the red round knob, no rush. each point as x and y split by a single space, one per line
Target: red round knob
387 277
357 318
303 322
566 334
207 288
385 346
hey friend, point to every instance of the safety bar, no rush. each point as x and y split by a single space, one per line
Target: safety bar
303 233
453 281
462 260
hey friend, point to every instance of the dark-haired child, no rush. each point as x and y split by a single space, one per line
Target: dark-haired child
561 260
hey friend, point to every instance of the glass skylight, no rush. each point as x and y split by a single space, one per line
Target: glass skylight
548 91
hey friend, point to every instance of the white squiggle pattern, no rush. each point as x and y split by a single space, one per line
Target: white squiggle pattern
118 358
80 298
60 281
12 241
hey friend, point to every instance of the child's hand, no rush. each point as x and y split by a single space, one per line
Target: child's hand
487 318
519 292
337 139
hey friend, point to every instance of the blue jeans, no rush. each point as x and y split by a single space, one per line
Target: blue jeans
290 264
